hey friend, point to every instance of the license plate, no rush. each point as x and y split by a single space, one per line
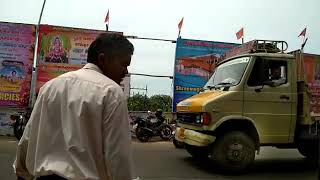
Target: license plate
181 133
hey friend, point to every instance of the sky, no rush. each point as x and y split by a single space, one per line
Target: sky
210 20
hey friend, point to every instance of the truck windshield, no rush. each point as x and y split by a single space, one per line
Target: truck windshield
228 73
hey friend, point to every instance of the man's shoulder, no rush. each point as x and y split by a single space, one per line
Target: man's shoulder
88 79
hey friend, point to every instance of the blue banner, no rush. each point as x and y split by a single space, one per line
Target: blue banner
194 64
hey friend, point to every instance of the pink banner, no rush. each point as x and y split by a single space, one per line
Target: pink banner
312 69
16 58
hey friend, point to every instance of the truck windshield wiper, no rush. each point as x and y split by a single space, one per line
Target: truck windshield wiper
223 84
209 87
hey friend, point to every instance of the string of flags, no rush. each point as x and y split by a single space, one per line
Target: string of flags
239 34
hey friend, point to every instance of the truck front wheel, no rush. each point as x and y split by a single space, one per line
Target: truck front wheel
233 151
197 152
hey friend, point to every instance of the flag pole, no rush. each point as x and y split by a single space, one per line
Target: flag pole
107 21
242 39
108 24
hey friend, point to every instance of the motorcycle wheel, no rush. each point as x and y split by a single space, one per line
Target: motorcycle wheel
165 132
142 135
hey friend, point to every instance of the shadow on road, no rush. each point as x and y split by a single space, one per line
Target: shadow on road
260 167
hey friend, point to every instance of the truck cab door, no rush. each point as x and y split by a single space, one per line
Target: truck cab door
268 99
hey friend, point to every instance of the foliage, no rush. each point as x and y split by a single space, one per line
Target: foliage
140 102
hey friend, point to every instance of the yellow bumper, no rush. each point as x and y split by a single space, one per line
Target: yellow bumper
192 137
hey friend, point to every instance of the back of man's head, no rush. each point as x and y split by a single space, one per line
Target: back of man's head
111 44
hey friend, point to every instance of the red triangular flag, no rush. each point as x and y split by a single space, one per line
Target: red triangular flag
303 32
180 24
107 17
239 34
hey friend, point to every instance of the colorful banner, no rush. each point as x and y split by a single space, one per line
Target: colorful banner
47 72
61 50
16 59
312 69
194 63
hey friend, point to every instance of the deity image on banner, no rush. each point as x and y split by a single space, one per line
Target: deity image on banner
11 75
56 51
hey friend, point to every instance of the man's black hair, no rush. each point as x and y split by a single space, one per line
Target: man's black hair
111 45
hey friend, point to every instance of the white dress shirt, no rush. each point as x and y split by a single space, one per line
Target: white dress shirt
78 129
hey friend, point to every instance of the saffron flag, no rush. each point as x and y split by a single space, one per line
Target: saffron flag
107 17
239 34
303 32
180 24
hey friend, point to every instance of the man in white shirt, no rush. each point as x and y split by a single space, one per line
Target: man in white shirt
79 126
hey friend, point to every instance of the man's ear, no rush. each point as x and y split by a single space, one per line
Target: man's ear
101 60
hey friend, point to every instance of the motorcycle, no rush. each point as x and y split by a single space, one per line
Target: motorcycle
18 124
152 126
20 120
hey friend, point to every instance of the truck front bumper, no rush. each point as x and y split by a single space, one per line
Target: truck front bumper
192 137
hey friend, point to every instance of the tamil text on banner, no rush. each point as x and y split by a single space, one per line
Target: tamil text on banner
16 59
312 69
62 49
194 63
47 72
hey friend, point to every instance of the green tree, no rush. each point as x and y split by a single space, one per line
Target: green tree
163 102
138 102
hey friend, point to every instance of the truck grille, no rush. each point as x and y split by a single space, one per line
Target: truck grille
192 118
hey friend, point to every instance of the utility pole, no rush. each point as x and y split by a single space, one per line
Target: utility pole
145 95
142 89
32 96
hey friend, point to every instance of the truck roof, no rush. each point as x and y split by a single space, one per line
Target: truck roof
265 48
274 55
271 55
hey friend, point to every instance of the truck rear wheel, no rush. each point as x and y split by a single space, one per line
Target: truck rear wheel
197 152
233 151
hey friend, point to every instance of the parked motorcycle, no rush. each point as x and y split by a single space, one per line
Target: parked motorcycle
153 126
18 124
20 120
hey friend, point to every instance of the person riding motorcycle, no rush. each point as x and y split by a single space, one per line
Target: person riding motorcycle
157 119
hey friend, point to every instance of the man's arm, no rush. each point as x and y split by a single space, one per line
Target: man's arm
117 142
19 164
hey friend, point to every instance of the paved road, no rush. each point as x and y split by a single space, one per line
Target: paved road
161 161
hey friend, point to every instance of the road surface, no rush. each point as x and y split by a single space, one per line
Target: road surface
161 161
